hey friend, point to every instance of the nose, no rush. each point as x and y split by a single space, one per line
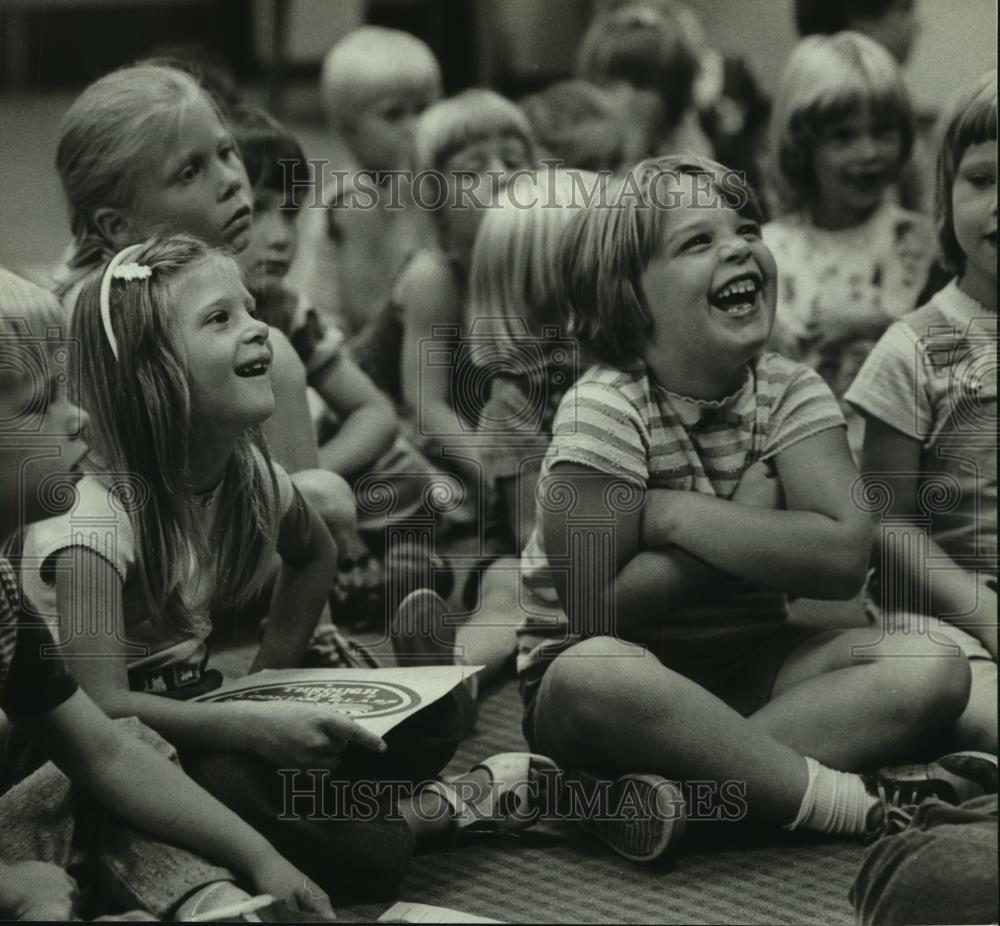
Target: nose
736 249
257 331
233 179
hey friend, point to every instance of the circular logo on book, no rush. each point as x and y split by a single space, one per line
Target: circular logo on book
372 699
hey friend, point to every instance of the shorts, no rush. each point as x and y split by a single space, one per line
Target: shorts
739 669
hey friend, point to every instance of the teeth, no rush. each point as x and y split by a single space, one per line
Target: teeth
738 289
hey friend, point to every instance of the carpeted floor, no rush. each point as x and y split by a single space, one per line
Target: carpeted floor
556 873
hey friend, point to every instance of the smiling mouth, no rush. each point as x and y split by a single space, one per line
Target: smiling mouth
738 297
254 368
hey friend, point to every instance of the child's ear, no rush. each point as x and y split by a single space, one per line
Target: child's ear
114 227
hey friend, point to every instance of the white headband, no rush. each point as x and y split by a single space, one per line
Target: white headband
118 269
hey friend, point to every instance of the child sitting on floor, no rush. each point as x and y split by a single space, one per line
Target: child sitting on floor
928 394
849 260
375 84
122 766
185 512
657 524
146 149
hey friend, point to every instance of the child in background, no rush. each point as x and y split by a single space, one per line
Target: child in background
643 45
192 514
474 142
850 260
146 149
657 525
582 125
375 84
517 344
928 394
124 766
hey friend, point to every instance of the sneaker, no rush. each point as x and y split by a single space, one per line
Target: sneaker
222 901
638 816
953 778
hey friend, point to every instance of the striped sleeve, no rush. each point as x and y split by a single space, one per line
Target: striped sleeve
887 387
599 427
802 405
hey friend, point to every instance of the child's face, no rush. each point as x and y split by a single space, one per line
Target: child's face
382 133
40 447
225 347
196 185
273 239
854 161
974 210
477 174
711 286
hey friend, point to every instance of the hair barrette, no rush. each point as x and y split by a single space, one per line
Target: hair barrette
132 272
119 268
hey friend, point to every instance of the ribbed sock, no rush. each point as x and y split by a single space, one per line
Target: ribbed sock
834 802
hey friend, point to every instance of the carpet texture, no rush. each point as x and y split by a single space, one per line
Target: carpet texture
555 873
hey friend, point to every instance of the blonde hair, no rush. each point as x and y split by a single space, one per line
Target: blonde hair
140 430
827 78
514 282
970 120
462 120
608 247
116 125
368 62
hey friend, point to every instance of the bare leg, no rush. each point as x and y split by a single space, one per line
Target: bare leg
615 708
854 702
488 636
977 727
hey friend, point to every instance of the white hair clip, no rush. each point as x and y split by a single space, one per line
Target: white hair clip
132 272
119 268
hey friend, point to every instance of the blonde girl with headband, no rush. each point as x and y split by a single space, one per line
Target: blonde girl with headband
144 150
184 513
850 260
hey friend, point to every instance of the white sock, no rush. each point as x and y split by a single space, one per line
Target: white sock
834 802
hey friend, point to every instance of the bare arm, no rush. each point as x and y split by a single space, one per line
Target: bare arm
955 593
368 421
308 568
818 548
107 762
289 431
89 603
622 588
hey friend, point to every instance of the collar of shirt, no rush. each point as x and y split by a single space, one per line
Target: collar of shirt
696 414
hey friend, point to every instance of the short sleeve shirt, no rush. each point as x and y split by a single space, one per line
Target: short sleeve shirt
623 423
933 377
100 522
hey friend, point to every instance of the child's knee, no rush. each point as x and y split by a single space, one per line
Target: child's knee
928 686
331 496
595 682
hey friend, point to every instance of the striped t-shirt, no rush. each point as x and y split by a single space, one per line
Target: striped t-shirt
624 424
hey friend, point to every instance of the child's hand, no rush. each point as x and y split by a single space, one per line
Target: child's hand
37 891
275 875
305 735
760 487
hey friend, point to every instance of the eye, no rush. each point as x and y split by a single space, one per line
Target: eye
219 317
750 229
251 309
696 241
980 181
188 173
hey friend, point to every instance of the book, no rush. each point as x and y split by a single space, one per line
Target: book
378 699
406 912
